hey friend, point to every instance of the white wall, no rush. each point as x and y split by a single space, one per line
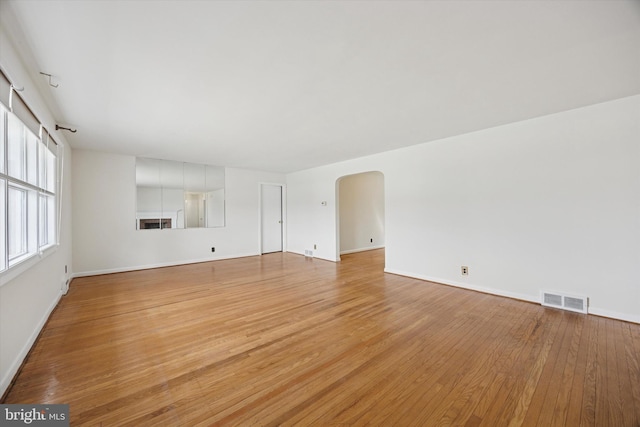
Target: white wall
548 203
27 299
361 210
105 237
215 207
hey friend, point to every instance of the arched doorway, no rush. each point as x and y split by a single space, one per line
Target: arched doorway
360 212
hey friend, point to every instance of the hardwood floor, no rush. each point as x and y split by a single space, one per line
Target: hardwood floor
285 340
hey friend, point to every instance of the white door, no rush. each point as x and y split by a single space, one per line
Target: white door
271 197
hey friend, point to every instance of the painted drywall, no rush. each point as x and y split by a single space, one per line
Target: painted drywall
361 208
105 236
549 203
27 299
215 211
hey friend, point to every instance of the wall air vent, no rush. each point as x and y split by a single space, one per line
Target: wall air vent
553 300
308 253
566 302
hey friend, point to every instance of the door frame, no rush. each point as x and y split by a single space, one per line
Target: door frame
283 188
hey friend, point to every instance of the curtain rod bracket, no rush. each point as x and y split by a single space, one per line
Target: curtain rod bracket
63 128
49 75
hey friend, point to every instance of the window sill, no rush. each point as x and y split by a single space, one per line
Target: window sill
25 264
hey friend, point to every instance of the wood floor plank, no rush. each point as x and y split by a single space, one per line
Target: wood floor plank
521 395
282 339
438 378
602 405
391 348
625 373
484 350
574 407
409 374
555 374
592 378
513 386
379 380
617 385
566 370
490 374
632 353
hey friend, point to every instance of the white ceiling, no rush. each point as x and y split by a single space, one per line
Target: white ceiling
288 85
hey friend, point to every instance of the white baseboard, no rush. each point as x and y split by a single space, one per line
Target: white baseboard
614 315
491 291
157 265
536 300
326 259
15 365
368 248
315 256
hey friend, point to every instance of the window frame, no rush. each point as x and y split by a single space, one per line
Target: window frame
40 183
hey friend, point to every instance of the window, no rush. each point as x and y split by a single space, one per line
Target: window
28 168
17 222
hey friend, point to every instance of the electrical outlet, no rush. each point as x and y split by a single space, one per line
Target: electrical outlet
213 249
315 246
371 240
465 270
65 269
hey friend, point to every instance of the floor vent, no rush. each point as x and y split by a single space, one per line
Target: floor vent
565 302
308 253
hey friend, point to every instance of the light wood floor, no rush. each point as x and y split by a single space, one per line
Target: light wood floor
284 340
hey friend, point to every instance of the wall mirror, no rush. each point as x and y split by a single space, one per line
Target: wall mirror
172 194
